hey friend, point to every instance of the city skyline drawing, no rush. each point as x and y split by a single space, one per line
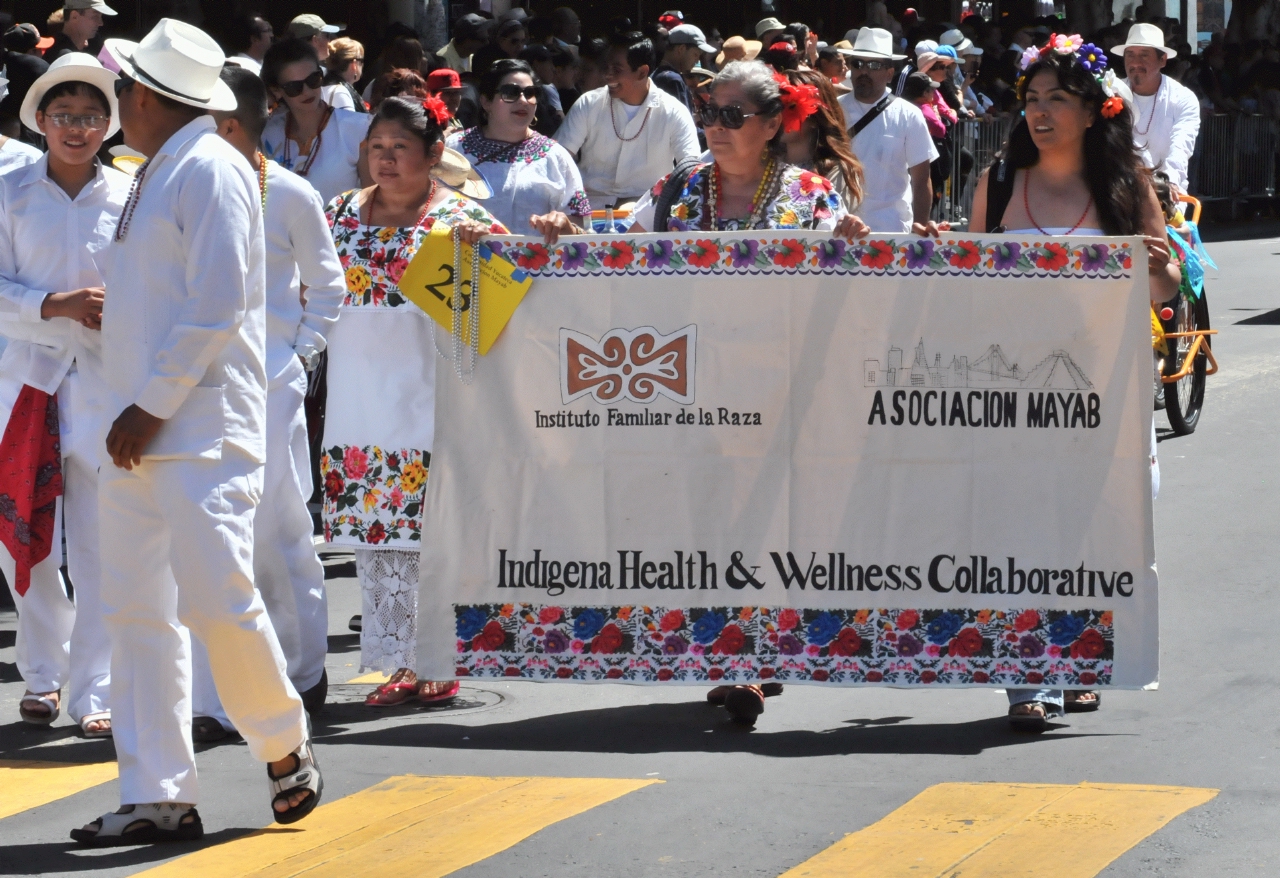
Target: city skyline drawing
1057 371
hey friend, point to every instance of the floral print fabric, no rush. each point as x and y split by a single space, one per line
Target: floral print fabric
373 494
805 200
375 257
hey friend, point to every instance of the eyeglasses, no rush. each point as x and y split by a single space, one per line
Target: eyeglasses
294 88
860 64
511 93
730 117
121 84
92 122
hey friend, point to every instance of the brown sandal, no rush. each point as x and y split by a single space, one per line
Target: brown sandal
402 686
744 704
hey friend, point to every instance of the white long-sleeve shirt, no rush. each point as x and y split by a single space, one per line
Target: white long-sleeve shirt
616 167
299 251
184 325
1171 122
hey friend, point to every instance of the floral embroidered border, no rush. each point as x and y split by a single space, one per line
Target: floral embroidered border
716 254
1027 647
373 495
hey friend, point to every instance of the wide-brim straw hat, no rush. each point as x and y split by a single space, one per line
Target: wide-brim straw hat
749 48
1144 36
179 61
73 67
875 43
457 173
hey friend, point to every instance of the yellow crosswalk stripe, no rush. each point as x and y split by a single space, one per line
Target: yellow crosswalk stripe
376 677
994 830
420 826
25 785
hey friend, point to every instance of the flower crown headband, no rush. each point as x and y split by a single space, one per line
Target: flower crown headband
799 102
1091 58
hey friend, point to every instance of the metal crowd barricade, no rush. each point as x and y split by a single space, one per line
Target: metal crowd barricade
1235 158
975 146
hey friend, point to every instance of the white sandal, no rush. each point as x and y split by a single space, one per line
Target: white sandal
40 719
101 716
143 824
305 777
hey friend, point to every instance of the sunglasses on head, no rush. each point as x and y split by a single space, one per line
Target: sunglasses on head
730 117
861 64
294 88
511 93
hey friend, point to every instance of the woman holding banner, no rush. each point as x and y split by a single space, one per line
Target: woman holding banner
1069 168
382 365
749 185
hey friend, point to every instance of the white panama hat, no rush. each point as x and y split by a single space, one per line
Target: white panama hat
876 43
179 61
958 41
1144 36
72 67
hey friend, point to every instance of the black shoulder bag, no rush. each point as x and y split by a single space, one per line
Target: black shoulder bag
999 193
670 190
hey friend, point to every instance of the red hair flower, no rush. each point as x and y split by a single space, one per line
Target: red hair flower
1111 107
799 102
437 110
783 46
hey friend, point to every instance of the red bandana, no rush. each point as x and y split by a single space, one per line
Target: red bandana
30 481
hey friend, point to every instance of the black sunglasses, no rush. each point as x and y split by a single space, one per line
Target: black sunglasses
858 64
511 93
728 117
121 84
294 88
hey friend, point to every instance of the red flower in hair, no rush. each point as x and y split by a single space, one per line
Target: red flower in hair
1111 107
799 102
437 110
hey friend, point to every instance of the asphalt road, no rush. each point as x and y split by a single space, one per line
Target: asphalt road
820 763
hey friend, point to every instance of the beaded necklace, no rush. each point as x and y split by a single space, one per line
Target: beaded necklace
614 119
413 232
1026 203
759 201
302 170
262 180
131 203
1155 101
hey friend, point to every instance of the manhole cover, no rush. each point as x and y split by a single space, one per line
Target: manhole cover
469 700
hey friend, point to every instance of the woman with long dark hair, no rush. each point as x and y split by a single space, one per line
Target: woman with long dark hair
822 143
531 175
1069 167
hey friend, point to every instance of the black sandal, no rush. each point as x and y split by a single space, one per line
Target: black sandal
206 730
142 824
305 777
1071 705
1030 722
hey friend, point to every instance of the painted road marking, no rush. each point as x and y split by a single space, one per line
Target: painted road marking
407 825
991 830
26 785
376 677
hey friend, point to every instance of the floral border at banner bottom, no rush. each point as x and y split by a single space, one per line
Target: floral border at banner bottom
904 647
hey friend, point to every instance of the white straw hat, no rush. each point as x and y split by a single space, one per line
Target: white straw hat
72 67
874 42
1144 36
179 61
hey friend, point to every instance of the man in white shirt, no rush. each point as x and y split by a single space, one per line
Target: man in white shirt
894 146
260 35
184 353
286 567
629 134
1166 113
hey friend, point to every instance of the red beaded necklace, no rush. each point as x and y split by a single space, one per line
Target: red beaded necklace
614 120
1026 203
413 232
302 169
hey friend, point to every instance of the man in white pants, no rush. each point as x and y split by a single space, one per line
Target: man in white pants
1166 114
54 216
184 351
286 567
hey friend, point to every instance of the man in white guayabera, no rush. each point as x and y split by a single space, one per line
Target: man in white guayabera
1166 114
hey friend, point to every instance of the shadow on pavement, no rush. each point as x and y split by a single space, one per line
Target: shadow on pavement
37 859
695 727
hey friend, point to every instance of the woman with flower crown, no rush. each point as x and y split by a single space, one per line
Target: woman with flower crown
382 363
749 185
1073 170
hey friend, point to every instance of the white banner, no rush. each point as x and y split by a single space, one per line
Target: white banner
732 458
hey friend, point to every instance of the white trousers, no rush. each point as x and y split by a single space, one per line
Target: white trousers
177 550
60 643
286 566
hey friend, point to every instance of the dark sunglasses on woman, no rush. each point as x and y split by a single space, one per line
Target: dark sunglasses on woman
728 117
294 88
510 93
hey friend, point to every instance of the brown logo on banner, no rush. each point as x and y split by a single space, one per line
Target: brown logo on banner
633 364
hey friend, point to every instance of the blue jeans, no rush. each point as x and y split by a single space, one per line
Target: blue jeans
1052 699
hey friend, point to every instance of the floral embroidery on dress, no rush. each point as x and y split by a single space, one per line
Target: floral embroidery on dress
374 258
373 494
804 199
528 151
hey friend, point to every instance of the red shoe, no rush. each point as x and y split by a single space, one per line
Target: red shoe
402 686
450 691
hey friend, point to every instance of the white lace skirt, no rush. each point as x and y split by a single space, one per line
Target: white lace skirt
389 604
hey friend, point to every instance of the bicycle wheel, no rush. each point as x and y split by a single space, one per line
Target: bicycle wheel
1185 398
